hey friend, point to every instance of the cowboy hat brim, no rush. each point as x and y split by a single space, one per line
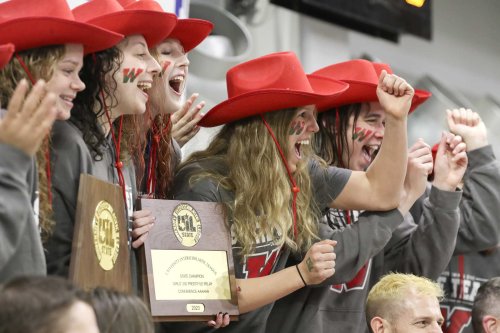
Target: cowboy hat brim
31 32
154 26
361 92
191 32
6 52
267 100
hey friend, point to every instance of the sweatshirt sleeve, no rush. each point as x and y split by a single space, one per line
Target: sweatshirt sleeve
426 248
70 158
16 211
480 206
360 241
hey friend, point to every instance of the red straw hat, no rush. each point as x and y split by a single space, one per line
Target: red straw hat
362 76
33 23
189 32
270 83
147 19
6 52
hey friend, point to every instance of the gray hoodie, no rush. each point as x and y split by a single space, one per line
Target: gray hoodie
21 251
373 244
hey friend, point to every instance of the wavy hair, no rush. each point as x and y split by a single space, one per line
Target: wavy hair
332 139
40 63
260 183
88 104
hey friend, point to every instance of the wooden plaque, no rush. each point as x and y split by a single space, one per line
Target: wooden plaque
186 262
100 254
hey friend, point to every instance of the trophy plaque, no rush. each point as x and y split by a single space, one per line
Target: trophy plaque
100 256
186 262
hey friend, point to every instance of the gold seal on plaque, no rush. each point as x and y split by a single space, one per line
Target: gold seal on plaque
186 224
106 235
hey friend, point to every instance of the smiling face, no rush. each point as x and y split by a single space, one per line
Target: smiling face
65 82
174 66
134 76
301 128
364 137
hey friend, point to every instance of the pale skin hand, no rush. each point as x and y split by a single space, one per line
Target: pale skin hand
319 262
395 95
469 126
419 167
143 222
29 118
185 120
318 265
221 320
451 162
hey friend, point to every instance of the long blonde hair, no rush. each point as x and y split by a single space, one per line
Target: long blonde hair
257 177
40 63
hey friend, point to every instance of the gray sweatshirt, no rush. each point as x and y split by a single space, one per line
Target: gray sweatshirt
477 256
373 244
21 251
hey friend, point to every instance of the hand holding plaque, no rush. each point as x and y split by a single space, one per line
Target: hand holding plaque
188 270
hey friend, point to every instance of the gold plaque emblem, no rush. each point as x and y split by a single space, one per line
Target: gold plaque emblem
186 224
106 235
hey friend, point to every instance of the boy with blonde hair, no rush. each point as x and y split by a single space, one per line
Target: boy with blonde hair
404 303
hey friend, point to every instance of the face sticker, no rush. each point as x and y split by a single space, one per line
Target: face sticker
130 74
297 127
164 67
361 134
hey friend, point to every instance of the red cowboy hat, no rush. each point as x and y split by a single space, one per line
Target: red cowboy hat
189 32
146 18
362 76
269 83
6 52
33 23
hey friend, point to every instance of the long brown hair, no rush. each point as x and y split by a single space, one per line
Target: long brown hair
142 131
260 183
331 141
40 63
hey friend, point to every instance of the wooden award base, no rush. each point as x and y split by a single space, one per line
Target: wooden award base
100 254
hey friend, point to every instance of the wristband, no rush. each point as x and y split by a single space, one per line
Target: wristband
300 274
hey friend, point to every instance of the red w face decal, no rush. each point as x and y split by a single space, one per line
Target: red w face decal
130 74
164 67
297 127
361 133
